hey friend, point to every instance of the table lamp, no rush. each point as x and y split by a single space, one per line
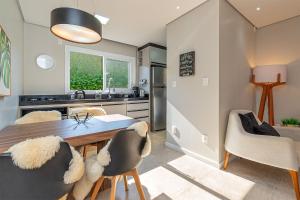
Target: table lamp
267 77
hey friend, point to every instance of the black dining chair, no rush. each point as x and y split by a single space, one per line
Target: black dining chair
125 152
44 183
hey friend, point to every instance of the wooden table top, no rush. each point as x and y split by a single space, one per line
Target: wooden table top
95 130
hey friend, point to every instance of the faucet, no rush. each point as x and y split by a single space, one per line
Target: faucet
79 94
109 85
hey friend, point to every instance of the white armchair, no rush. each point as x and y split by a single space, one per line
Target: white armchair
270 150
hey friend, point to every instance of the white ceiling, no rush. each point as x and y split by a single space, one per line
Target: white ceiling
137 22
271 11
134 22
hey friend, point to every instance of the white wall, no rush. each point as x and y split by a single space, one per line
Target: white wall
191 107
237 57
39 40
12 22
280 44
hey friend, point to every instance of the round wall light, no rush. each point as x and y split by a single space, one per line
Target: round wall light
75 25
45 61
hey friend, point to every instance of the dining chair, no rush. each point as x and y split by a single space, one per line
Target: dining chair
82 112
46 182
125 151
39 116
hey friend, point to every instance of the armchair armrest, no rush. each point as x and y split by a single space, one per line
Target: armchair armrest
290 132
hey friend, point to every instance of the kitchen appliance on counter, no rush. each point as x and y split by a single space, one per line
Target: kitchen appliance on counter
135 91
142 92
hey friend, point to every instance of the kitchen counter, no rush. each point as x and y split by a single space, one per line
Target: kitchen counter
134 107
66 102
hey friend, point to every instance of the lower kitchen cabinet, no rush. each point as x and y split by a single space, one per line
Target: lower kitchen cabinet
139 111
115 109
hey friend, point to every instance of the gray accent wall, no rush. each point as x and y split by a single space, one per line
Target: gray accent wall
12 22
237 57
280 44
192 108
39 40
224 43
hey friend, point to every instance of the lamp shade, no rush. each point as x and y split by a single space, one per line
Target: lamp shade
269 73
75 25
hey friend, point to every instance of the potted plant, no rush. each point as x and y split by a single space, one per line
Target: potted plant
291 122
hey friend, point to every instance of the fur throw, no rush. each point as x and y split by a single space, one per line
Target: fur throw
95 164
32 154
39 116
142 128
76 168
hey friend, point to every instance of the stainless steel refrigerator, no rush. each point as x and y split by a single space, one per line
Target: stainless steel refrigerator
158 94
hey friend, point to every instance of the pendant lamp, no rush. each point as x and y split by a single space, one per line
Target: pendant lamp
75 25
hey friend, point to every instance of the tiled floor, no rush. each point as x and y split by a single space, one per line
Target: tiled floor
169 175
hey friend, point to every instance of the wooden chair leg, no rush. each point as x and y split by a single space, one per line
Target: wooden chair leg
138 184
226 159
97 188
294 175
114 182
84 152
125 182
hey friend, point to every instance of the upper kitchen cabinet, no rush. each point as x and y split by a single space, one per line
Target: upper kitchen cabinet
150 53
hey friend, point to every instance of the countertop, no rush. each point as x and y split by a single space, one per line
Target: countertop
66 102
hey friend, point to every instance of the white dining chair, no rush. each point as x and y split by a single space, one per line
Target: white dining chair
82 112
39 116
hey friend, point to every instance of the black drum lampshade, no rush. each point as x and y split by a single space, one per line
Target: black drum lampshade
75 25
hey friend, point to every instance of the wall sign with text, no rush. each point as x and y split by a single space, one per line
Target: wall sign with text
187 64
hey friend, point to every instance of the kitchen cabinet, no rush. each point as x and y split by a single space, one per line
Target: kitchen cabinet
137 106
115 109
158 55
139 111
152 54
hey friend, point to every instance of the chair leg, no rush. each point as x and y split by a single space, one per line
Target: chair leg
138 184
84 152
125 182
114 182
294 175
226 159
97 188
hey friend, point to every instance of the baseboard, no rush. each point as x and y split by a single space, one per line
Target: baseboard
194 155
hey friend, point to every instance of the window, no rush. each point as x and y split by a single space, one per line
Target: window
91 70
86 71
119 72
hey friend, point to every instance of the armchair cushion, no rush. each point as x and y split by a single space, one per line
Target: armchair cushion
265 129
248 122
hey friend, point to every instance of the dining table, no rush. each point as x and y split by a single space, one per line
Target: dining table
96 130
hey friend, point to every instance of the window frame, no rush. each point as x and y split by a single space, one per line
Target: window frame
131 67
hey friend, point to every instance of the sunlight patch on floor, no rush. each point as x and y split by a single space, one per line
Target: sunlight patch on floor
161 181
224 183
